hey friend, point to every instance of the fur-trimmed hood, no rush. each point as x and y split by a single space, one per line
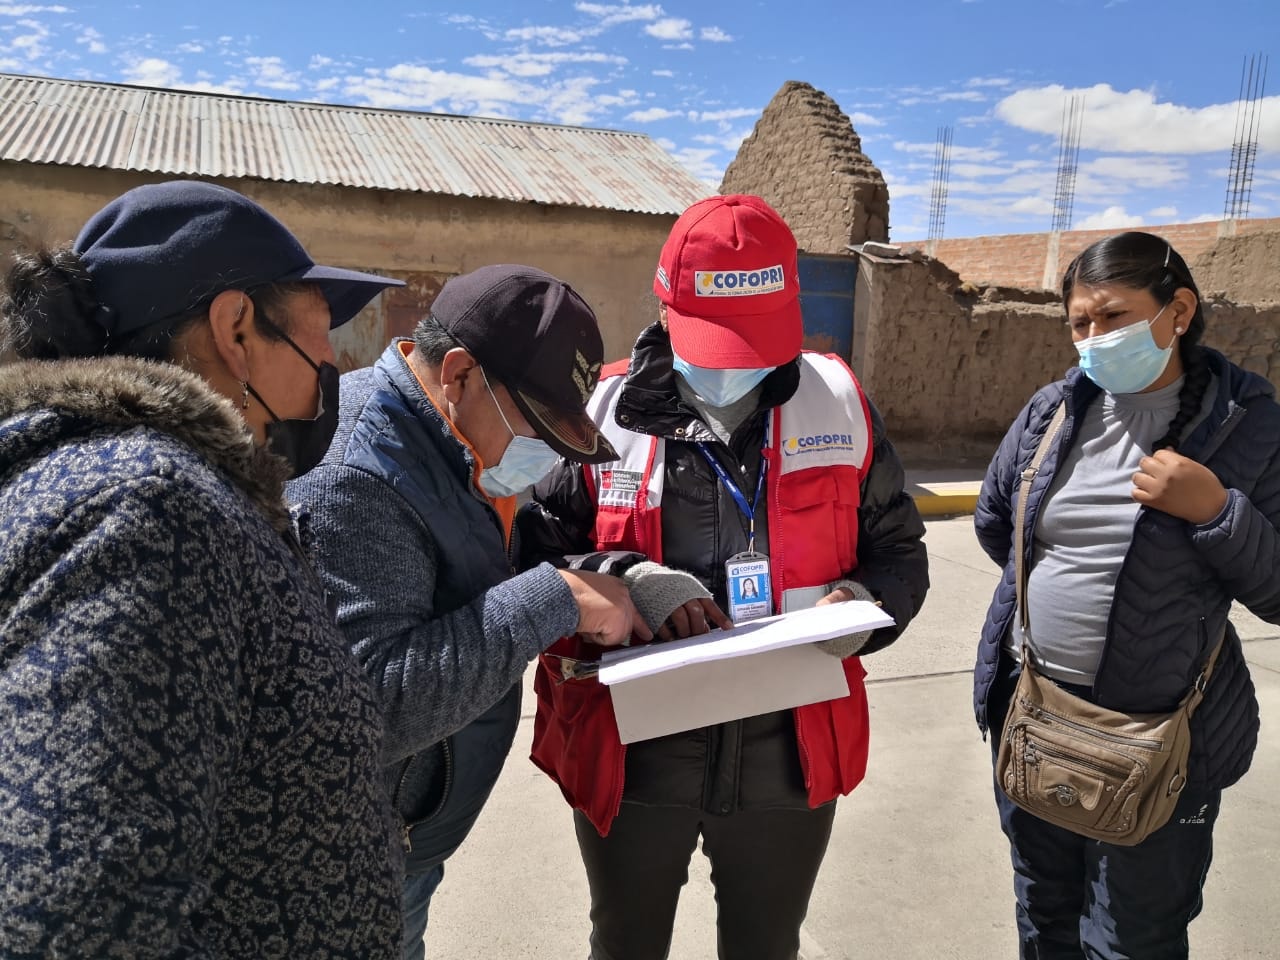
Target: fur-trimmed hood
127 392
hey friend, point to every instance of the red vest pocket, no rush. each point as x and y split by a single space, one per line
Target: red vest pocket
834 738
575 740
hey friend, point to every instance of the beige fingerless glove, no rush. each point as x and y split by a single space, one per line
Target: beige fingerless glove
657 590
850 643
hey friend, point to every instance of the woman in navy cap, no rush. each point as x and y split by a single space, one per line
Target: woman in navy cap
191 759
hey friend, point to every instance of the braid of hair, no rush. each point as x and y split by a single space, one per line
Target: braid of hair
1197 376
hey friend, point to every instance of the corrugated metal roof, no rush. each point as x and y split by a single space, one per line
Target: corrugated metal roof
77 123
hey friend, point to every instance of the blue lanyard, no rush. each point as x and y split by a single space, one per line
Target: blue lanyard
748 511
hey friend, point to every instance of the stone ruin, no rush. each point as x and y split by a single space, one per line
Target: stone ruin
806 160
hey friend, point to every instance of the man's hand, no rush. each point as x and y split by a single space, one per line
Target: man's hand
1180 487
606 615
692 619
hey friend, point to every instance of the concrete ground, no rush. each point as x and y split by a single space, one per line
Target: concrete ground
917 866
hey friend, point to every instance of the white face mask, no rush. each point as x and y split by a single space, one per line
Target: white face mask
719 388
525 461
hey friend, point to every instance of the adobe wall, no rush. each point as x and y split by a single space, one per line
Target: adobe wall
1038 260
950 364
949 367
607 256
806 160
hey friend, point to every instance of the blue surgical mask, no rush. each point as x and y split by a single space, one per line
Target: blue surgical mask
525 461
1125 360
719 388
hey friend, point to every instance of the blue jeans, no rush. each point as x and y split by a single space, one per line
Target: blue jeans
418 889
1081 898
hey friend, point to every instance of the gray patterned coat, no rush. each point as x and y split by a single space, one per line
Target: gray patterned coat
189 758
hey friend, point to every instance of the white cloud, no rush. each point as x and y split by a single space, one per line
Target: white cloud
728 141
547 36
539 64
91 40
914 96
652 114
1135 122
716 116
663 73
270 73
319 62
715 35
1109 219
27 9
410 86
859 119
677 46
670 28
1134 172
958 153
152 72
191 46
32 44
699 163
988 82
1163 213
609 15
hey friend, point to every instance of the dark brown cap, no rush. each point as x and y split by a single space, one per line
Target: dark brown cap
537 336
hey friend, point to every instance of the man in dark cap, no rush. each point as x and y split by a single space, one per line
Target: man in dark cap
412 510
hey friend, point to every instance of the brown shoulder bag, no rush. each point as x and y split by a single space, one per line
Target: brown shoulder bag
1100 773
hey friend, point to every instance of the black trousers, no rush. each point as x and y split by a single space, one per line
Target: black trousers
763 867
1081 899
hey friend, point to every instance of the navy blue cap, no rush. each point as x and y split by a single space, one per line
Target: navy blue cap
164 249
538 337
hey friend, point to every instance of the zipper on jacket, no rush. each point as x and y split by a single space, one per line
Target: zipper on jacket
1224 431
407 827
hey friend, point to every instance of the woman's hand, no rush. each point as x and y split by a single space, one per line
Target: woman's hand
693 618
1178 486
838 595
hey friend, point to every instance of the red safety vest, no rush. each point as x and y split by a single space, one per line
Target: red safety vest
819 451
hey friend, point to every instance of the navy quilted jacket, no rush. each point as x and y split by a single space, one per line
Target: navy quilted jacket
1177 581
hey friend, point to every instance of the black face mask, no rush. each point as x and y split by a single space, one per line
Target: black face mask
304 442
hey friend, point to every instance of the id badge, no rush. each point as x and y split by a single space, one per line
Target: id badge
750 594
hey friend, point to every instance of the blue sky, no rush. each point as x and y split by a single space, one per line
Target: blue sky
1160 81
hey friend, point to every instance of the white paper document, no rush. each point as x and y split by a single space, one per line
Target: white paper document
754 668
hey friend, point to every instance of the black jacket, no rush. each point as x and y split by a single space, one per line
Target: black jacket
1177 580
751 763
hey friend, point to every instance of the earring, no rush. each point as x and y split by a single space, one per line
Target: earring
244 394
1177 329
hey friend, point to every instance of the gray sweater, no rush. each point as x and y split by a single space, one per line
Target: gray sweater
395 476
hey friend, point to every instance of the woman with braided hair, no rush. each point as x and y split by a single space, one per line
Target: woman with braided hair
1155 508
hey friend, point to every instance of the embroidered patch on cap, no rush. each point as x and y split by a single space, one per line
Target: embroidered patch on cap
739 283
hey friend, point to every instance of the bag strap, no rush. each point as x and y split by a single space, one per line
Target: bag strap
1196 693
1020 519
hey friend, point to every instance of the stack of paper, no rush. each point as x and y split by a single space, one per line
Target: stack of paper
754 668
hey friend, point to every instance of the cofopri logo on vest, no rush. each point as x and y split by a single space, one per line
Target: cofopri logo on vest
817 443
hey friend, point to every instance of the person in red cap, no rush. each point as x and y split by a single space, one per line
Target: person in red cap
411 510
740 459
